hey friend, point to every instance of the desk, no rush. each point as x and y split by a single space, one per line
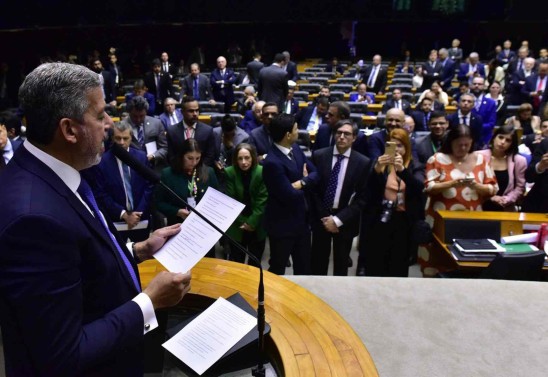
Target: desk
307 338
511 223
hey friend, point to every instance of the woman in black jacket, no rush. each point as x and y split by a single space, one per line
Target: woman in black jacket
394 204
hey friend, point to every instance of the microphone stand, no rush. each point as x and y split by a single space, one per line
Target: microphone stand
259 370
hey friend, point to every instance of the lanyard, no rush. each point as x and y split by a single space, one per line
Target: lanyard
192 186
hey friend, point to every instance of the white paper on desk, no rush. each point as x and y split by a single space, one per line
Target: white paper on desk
520 238
151 147
122 225
196 237
208 337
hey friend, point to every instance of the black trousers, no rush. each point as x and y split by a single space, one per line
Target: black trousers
298 246
321 250
385 250
251 244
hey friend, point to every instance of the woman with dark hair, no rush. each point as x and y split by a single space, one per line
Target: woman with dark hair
244 182
495 93
188 177
394 204
525 120
437 91
457 179
509 167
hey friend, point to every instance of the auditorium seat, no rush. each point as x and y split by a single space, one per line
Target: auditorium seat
347 80
347 88
300 95
339 95
357 118
310 87
328 75
318 80
357 107
208 108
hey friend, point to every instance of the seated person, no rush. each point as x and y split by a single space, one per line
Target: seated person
335 67
140 89
438 93
362 95
529 123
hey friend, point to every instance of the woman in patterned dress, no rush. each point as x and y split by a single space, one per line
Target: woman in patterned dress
457 179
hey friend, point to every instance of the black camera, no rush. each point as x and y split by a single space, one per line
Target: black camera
387 209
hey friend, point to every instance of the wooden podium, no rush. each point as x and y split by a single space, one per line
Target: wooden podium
497 224
308 337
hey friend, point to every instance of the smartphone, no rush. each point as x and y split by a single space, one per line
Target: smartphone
468 179
390 148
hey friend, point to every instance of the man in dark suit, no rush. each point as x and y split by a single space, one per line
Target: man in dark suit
310 118
260 137
254 67
506 54
325 137
227 137
537 172
465 115
516 63
70 297
535 86
7 146
252 118
272 85
467 71
196 85
334 67
291 105
431 70
290 67
375 76
246 102
125 195
171 114
395 118
486 108
189 128
336 218
421 116
397 102
108 82
288 176
447 69
222 80
515 84
148 133
167 67
531 141
431 143
159 84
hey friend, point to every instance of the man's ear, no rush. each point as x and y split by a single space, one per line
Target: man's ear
70 130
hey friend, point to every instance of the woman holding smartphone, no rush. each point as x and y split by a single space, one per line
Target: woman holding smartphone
457 179
394 205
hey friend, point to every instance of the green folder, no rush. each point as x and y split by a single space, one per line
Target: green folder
519 247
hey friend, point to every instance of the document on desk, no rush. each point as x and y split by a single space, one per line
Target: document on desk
208 337
196 237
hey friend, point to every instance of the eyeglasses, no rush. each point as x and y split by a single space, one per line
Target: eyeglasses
343 133
437 124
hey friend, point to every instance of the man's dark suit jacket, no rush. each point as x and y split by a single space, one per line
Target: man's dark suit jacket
529 87
303 117
380 82
65 293
430 74
465 67
261 140
165 119
376 143
253 69
420 123
272 85
352 199
389 104
166 86
109 87
111 186
249 123
225 94
323 139
447 73
291 70
476 126
286 207
505 56
425 149
294 106
536 200
203 134
204 87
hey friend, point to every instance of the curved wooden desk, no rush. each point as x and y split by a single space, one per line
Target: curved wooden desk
308 338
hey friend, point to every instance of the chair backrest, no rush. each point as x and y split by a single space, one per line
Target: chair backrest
347 80
328 75
217 118
306 75
314 69
357 107
310 88
403 75
337 94
357 118
318 80
301 95
341 87
516 266
208 108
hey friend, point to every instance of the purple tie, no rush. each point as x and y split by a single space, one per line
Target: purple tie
85 191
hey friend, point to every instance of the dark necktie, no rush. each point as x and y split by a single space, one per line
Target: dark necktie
140 135
196 92
127 186
332 183
85 192
2 161
292 157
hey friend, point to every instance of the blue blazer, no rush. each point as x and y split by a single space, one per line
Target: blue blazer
65 293
447 73
464 68
261 140
303 117
110 188
488 112
164 118
286 209
225 94
150 99
353 97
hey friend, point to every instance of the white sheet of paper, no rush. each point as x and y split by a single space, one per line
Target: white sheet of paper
151 147
122 226
208 337
196 237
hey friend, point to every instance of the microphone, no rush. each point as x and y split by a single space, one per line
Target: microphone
153 177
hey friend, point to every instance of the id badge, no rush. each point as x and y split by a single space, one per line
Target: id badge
191 201
401 198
